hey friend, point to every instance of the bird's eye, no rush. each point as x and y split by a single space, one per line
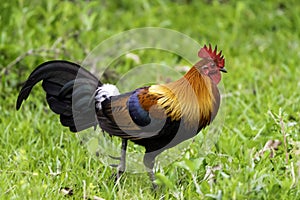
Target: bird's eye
205 67
212 64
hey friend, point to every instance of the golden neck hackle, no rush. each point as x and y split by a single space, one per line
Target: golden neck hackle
189 98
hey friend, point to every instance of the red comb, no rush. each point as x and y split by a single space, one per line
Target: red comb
207 52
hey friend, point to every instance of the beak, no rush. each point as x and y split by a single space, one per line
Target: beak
223 70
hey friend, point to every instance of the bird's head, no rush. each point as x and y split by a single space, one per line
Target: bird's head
212 63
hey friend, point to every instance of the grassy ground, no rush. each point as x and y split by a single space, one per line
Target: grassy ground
260 40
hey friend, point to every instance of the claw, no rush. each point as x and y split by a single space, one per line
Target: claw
119 174
114 157
114 165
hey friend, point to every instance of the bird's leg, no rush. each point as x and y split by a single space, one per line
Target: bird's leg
149 160
122 164
121 167
152 178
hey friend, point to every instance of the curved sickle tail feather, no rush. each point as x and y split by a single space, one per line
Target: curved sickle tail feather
70 92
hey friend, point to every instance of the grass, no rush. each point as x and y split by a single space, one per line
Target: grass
260 41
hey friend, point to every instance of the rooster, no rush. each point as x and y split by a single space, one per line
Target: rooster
156 117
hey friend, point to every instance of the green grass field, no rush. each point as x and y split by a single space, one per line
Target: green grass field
261 44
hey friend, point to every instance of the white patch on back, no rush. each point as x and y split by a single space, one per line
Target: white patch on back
104 92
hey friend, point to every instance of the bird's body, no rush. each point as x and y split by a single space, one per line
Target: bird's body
157 117
155 113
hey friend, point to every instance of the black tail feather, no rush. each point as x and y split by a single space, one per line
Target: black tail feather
70 92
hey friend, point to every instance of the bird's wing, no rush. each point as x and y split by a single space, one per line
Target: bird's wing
133 115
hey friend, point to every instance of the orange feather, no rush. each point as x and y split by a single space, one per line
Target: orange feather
190 98
146 99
